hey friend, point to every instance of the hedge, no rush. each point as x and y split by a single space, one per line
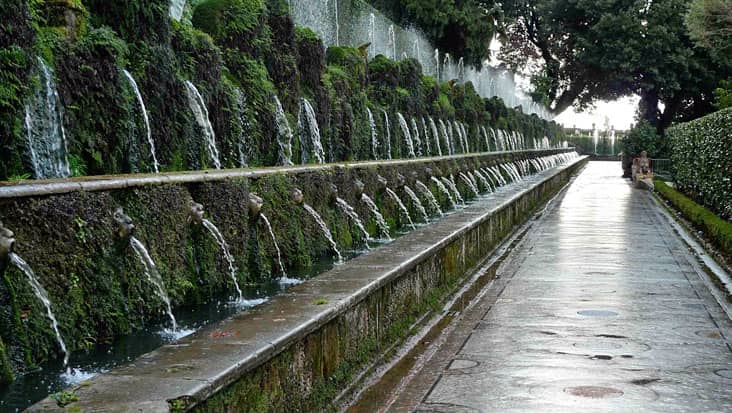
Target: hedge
716 228
701 154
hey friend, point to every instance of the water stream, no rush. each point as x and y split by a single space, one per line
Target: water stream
444 190
451 184
284 279
403 208
143 109
469 183
309 134
351 213
324 228
284 133
227 255
200 112
430 197
45 131
380 221
374 135
153 276
42 296
387 128
417 203
407 135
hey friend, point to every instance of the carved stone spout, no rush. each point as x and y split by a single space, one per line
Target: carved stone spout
382 181
296 196
7 242
401 180
125 227
195 215
358 188
255 205
332 193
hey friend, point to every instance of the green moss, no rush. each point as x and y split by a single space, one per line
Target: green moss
714 227
305 34
6 370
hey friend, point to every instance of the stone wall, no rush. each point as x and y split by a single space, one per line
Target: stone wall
96 283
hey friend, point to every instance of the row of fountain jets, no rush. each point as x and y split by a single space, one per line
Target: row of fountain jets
48 144
479 181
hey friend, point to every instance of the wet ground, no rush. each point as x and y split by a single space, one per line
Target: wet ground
600 307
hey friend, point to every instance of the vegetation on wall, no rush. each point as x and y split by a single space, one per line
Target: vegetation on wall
701 154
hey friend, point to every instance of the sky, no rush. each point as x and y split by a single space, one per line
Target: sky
620 114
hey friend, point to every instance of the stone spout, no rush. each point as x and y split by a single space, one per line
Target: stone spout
195 215
7 242
401 180
255 205
125 227
296 196
332 193
382 181
358 188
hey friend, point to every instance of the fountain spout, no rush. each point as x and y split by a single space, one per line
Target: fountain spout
332 193
125 227
7 242
358 188
255 205
401 181
195 215
296 196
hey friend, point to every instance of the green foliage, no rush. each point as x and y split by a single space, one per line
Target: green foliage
701 154
714 227
723 94
709 23
6 370
643 137
236 24
64 398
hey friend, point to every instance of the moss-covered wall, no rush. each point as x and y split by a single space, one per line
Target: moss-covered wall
98 287
309 374
239 54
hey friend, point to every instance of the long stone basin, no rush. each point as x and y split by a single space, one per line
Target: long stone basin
296 352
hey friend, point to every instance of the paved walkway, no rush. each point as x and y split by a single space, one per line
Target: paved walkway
599 308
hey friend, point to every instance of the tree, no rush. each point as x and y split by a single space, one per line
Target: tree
709 23
585 50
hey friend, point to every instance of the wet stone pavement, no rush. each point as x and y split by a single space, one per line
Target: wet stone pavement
599 308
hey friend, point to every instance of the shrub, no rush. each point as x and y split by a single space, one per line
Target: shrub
701 154
716 228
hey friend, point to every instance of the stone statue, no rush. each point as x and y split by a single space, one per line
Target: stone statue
255 205
7 242
195 215
125 227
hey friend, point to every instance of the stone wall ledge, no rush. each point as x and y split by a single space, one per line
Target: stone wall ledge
200 365
32 188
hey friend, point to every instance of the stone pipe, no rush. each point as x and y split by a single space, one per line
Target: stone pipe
125 227
7 242
195 215
255 205
358 188
297 196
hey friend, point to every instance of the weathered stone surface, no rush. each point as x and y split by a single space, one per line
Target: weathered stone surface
600 308
299 350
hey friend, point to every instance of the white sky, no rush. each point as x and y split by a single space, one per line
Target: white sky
620 112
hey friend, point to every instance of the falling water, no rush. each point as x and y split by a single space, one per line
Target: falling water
284 133
372 33
337 23
45 129
388 134
392 42
459 132
430 196
436 135
470 184
483 180
426 138
437 65
374 135
407 135
399 202
417 142
348 210
309 133
444 190
445 136
324 228
153 276
380 221
417 203
415 49
42 295
156 166
274 241
176 9
198 107
451 184
227 255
